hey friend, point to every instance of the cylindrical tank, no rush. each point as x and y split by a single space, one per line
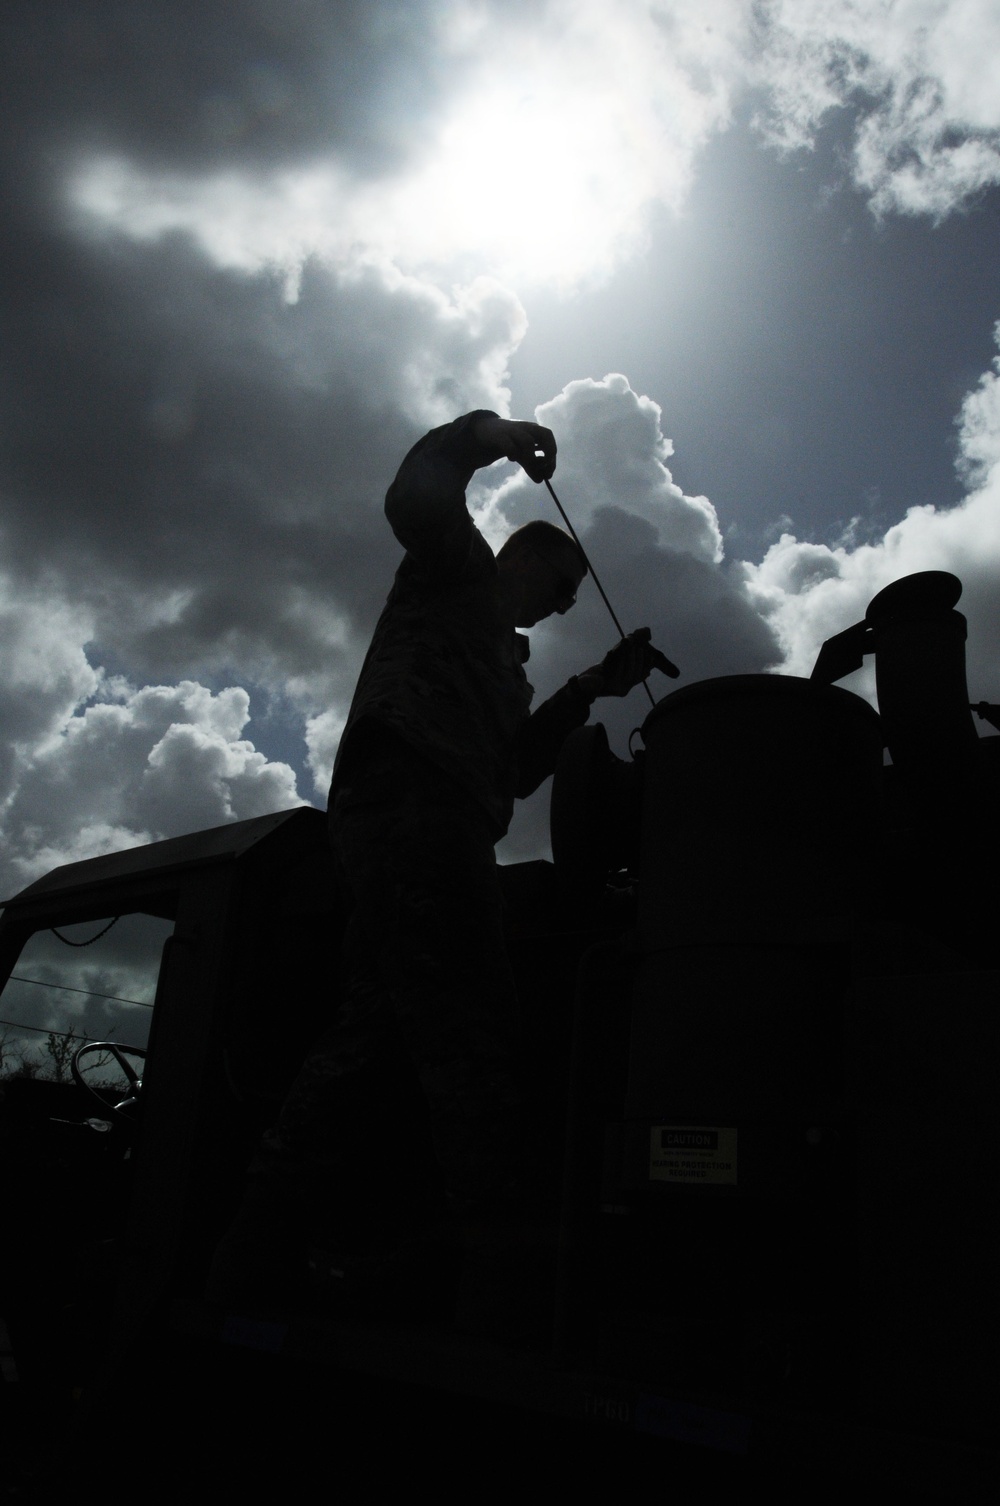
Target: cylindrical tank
759 812
759 806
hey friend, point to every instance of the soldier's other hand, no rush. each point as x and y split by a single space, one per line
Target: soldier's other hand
531 446
630 662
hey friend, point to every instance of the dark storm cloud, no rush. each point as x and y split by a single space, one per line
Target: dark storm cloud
192 466
181 429
198 459
183 451
203 84
698 613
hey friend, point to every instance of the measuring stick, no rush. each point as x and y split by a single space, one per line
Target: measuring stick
593 572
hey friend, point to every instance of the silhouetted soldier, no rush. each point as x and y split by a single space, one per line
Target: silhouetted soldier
439 742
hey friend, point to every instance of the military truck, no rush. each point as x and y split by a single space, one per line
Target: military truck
760 999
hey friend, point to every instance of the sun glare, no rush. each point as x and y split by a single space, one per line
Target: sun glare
538 188
542 178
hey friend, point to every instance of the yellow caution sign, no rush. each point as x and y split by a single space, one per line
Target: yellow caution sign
696 1155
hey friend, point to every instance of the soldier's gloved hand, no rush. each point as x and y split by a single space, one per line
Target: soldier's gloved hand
628 664
531 446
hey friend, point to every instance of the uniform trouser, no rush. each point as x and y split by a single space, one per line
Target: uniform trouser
426 974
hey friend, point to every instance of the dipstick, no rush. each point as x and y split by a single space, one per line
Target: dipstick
593 572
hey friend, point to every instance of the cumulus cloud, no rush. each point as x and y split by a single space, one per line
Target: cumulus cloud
657 552
44 671
922 75
979 426
243 271
715 617
151 763
613 453
808 591
322 741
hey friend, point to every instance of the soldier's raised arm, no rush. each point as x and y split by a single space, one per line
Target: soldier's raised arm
425 505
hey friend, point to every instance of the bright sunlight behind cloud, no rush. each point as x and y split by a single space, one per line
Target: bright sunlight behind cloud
542 164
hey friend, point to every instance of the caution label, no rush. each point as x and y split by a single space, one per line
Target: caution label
695 1154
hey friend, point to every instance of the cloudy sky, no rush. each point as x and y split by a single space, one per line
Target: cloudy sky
741 258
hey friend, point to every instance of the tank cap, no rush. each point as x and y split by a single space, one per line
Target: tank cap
926 591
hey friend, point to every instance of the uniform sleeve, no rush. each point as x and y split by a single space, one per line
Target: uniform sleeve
539 740
425 505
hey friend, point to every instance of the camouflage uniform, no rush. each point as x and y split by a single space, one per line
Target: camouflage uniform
443 671
438 742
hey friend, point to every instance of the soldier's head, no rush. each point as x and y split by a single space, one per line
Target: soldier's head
543 568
